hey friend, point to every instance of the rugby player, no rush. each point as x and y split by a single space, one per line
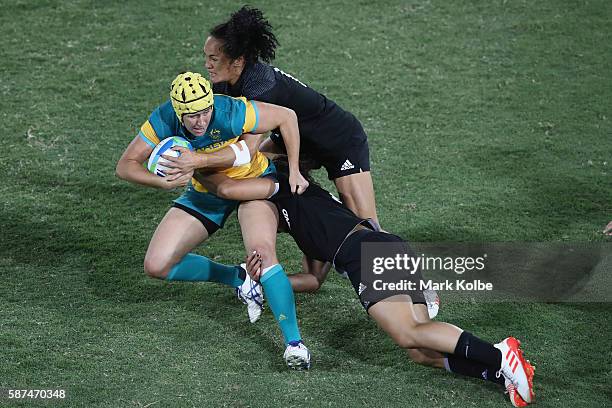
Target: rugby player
327 231
238 53
214 126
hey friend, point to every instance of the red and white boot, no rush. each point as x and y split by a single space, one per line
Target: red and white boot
517 371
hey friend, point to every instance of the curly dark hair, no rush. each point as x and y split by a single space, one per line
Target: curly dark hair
247 33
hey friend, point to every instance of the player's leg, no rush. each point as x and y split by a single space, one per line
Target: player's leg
348 259
168 254
357 193
441 360
396 316
176 235
425 356
224 189
259 222
459 365
194 217
350 171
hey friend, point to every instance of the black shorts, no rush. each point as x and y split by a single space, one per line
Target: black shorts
351 159
347 162
348 259
211 226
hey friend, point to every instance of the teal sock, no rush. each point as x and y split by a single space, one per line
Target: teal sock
199 268
282 303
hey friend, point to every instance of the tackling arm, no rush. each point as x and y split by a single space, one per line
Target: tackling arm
274 116
312 276
237 189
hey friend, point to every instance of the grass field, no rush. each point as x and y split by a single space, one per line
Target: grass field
487 120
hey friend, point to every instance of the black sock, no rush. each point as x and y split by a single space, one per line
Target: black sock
471 368
471 347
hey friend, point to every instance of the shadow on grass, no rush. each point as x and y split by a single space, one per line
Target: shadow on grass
537 193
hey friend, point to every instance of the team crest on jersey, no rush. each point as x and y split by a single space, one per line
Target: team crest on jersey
215 134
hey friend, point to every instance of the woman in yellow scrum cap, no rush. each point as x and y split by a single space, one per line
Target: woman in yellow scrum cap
223 132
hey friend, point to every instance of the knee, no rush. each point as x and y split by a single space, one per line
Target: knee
156 268
267 252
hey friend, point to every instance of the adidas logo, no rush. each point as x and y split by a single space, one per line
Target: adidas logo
282 317
514 360
362 287
347 165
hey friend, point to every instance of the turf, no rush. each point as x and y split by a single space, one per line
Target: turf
487 121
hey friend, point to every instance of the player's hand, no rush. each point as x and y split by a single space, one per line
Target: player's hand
253 265
171 182
608 229
297 182
186 162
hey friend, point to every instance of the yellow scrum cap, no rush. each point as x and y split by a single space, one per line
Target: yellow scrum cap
190 92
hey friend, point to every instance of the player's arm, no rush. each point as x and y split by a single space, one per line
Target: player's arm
130 167
268 146
236 154
308 281
272 117
237 189
312 276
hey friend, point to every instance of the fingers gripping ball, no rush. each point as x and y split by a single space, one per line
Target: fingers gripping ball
156 161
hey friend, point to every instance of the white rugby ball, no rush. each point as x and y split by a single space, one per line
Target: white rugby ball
156 161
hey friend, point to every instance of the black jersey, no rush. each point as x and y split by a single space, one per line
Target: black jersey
317 221
324 127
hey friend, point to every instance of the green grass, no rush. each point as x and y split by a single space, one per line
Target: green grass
487 121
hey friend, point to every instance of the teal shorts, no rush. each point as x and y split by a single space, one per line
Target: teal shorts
211 210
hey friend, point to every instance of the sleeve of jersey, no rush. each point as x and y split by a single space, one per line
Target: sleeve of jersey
154 129
147 133
245 116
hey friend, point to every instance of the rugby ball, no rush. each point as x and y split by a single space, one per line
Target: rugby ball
156 161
